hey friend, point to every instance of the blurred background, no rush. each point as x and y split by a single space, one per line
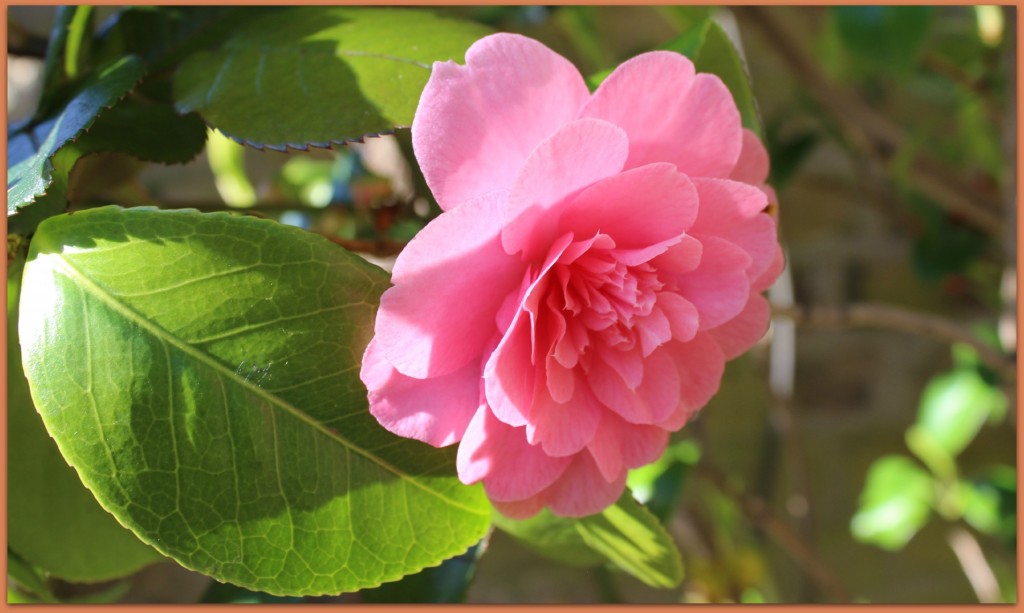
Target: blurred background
865 450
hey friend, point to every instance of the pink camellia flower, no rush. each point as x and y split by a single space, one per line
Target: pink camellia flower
598 260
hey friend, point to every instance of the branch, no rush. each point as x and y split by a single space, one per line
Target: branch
887 317
972 560
759 514
875 135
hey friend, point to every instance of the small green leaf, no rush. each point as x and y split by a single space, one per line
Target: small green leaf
955 406
895 503
690 42
30 151
718 56
659 485
53 64
53 522
27 578
625 534
888 38
201 373
316 76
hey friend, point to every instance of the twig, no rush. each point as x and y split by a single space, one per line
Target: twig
905 320
976 568
757 511
874 134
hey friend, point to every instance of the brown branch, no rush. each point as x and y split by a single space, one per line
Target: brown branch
873 134
759 514
976 568
888 317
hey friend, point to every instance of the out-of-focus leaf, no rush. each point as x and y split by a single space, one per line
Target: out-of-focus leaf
888 38
787 153
578 23
625 534
53 522
27 578
315 76
895 503
993 509
689 43
77 47
227 163
954 407
944 247
444 584
685 17
53 64
30 151
201 374
659 485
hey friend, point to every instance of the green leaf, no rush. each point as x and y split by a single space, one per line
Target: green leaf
690 42
888 38
26 578
225 593
659 485
625 534
895 503
53 64
955 406
30 151
201 372
718 56
314 76
53 522
147 130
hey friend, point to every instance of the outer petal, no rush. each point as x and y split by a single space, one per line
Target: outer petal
476 124
564 428
637 208
741 332
454 265
701 364
686 119
752 165
577 155
435 411
719 287
582 489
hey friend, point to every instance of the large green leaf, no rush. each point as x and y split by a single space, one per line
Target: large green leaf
895 503
30 151
147 130
201 374
313 76
53 522
625 534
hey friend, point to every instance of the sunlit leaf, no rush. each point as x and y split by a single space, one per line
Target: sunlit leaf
200 372
53 522
895 503
625 534
313 76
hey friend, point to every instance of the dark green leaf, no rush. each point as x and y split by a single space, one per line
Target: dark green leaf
201 374
26 578
944 246
444 584
30 165
625 534
659 485
53 64
53 522
225 593
313 76
718 56
886 38
690 42
895 503
146 130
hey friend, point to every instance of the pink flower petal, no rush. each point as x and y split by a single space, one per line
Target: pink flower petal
476 124
765 280
520 509
671 115
752 165
723 203
606 445
682 316
577 155
637 208
681 257
564 428
436 411
701 364
436 276
582 489
719 287
741 332
498 454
